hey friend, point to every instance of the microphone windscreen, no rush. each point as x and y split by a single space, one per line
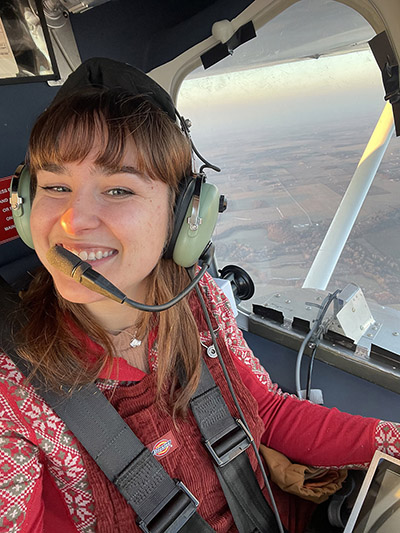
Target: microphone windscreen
64 260
71 265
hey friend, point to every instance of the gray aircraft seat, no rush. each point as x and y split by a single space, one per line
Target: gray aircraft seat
16 262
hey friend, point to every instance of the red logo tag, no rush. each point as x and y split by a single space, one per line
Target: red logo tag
163 446
7 226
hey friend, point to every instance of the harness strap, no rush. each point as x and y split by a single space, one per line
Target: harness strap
226 439
163 505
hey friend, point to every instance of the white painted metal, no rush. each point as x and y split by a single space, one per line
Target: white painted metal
328 255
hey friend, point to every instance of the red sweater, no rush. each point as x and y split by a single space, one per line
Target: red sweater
48 484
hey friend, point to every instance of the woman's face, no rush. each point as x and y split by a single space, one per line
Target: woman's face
116 219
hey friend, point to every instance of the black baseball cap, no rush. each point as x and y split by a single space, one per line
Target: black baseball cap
110 74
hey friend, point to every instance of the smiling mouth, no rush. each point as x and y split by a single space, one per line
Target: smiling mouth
90 255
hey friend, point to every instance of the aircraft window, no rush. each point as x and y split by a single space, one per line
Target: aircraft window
288 138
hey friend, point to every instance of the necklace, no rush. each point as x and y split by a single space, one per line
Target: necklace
135 343
126 339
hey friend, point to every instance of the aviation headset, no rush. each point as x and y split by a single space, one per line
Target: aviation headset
197 203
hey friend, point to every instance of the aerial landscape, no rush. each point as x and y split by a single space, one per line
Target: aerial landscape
287 119
283 191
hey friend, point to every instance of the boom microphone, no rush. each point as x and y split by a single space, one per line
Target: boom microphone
82 272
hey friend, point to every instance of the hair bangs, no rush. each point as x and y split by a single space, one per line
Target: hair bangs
69 137
108 122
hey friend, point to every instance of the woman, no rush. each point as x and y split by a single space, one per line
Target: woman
106 161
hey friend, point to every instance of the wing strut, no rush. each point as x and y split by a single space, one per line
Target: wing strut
329 252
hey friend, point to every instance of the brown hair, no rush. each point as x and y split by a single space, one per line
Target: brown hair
65 132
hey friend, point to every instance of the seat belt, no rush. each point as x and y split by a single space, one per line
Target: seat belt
163 505
226 439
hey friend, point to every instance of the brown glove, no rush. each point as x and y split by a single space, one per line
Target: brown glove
313 484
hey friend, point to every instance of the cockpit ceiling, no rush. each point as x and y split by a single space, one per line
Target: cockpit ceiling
161 29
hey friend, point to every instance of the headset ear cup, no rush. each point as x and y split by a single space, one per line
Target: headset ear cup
190 244
21 204
183 200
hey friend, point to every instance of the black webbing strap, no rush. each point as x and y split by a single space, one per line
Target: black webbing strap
162 504
226 439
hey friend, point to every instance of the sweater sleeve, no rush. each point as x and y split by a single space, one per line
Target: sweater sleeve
316 435
306 433
21 471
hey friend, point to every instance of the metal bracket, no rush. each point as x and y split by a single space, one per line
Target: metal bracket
223 31
352 312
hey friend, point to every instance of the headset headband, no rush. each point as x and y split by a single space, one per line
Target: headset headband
106 73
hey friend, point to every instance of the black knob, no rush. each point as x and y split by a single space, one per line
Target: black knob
242 284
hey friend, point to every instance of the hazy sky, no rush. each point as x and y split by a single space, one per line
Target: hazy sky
292 94
242 93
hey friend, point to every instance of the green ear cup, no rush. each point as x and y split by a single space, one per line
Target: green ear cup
20 200
190 244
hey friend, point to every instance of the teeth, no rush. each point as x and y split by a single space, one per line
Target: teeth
91 256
